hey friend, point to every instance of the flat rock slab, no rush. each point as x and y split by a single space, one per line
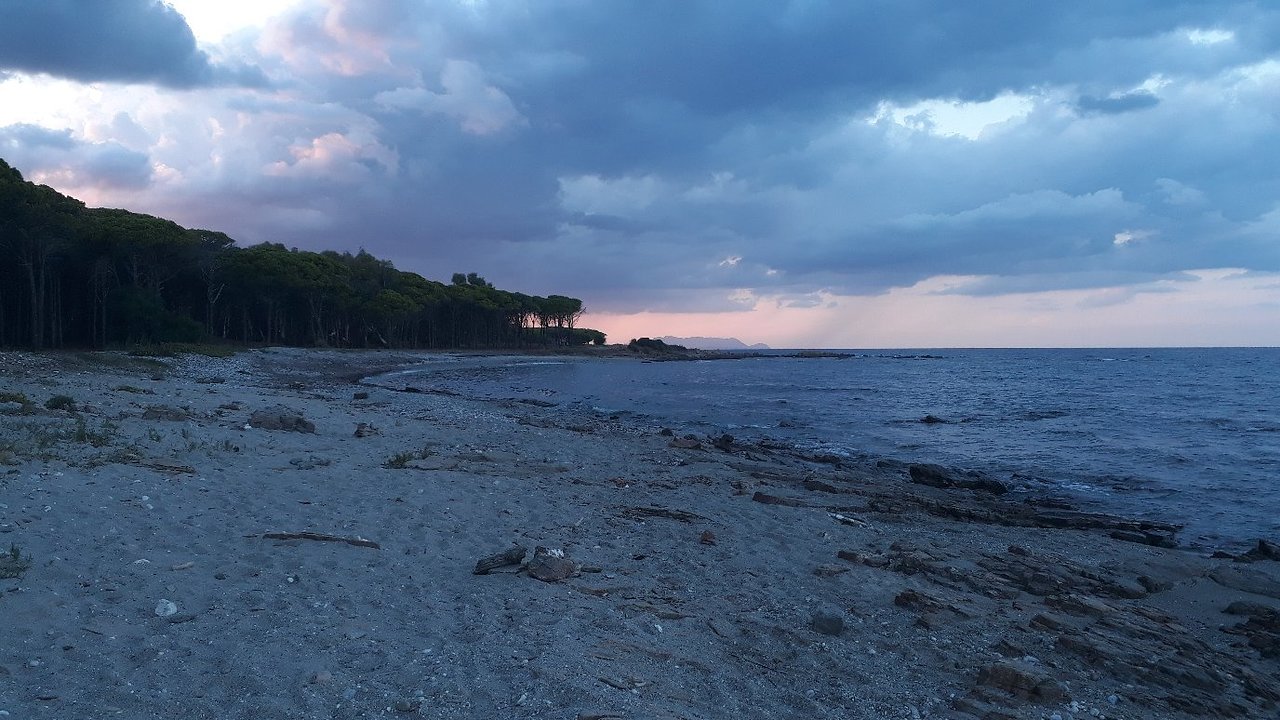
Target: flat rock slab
1253 578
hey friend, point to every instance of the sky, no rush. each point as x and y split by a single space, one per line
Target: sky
803 173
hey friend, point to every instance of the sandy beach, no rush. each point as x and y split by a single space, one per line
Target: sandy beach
268 536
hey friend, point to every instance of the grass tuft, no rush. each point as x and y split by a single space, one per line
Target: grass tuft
61 402
399 460
172 349
13 564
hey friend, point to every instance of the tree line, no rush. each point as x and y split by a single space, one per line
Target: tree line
74 276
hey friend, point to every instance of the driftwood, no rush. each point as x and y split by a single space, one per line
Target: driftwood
321 537
768 499
637 513
512 556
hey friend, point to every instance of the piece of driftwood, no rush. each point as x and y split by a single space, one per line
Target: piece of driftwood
321 537
648 512
511 556
768 499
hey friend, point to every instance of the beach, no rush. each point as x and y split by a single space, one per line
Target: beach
289 533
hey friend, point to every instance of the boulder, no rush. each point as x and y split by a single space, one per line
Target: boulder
1023 682
1262 551
826 624
550 565
281 418
944 477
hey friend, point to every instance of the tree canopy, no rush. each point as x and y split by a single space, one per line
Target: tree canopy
72 276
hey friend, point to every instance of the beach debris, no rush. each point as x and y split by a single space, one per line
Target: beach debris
829 570
310 463
211 380
724 442
510 556
281 418
685 444
164 412
550 565
847 520
640 513
626 683
366 430
943 477
826 624
537 403
166 608
183 566
321 537
768 499
707 538
601 715
161 465
667 432
360 396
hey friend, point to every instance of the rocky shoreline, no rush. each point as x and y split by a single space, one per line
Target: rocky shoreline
267 536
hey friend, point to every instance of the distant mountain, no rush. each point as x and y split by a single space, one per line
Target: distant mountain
713 343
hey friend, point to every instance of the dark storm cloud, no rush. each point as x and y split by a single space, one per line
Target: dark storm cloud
1123 103
639 152
132 41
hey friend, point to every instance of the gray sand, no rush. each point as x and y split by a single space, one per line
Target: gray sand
152 592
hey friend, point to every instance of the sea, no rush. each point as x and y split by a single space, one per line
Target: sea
1190 436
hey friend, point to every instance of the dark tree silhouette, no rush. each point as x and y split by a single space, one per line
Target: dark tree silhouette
94 277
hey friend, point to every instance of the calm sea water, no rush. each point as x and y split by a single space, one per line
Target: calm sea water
1184 435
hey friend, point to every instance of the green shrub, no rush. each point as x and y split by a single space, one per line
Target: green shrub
6 397
174 349
61 402
13 564
399 460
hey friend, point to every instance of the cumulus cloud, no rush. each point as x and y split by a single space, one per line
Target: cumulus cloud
131 41
466 96
787 150
63 160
